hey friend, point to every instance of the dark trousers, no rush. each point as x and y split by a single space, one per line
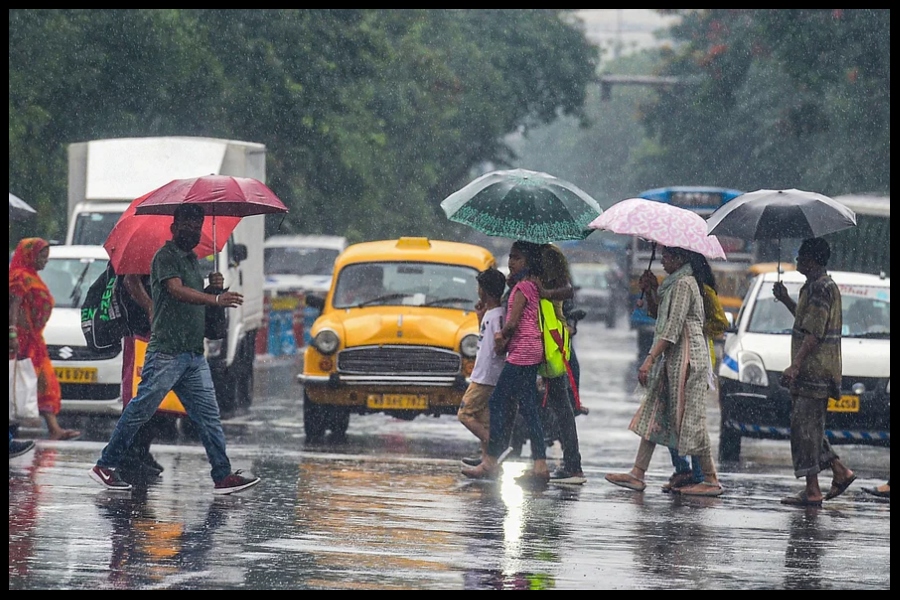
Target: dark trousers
558 399
516 388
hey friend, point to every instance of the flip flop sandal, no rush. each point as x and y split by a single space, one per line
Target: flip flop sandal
839 488
705 489
800 500
626 480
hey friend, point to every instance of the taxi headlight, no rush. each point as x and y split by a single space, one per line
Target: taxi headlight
469 346
326 342
751 369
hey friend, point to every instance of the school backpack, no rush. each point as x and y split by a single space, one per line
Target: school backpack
109 313
557 346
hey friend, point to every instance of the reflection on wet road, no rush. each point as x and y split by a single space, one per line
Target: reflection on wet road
387 509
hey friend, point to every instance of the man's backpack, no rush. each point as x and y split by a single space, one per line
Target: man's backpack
109 313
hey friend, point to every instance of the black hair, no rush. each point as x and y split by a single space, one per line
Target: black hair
699 266
492 281
188 212
532 253
816 249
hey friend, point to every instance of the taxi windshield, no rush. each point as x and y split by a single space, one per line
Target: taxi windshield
406 283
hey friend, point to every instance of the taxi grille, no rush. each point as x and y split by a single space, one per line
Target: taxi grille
398 360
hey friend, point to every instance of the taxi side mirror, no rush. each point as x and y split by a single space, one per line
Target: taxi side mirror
316 302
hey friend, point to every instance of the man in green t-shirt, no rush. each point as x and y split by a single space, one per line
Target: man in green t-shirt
814 374
175 359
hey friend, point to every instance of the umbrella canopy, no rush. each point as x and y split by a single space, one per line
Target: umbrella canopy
523 205
775 214
134 239
661 223
19 209
217 194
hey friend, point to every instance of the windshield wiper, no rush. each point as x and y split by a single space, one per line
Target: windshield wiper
75 296
451 300
384 298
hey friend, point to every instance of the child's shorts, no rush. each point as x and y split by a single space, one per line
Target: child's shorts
475 403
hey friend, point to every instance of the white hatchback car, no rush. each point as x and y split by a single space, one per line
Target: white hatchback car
91 382
753 403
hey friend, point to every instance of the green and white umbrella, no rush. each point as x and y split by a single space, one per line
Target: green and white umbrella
523 205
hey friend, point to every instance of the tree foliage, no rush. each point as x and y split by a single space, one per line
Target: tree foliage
370 117
778 98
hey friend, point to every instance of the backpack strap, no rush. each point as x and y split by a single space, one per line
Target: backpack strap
561 344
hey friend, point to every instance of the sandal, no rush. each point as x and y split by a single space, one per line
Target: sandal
678 480
626 480
839 488
800 499
704 488
66 434
479 472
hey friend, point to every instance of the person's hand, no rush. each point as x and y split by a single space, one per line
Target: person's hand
229 299
644 371
216 280
499 343
789 375
648 281
780 292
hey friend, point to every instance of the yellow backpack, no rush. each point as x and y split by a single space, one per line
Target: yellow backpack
557 345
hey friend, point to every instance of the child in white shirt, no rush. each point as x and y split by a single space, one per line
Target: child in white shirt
473 411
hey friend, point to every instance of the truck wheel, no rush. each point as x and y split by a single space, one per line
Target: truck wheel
729 443
314 424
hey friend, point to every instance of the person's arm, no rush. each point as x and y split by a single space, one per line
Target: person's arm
15 302
135 287
188 295
649 285
561 293
809 344
659 348
512 321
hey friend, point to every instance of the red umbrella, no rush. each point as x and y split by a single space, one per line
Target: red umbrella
219 195
135 238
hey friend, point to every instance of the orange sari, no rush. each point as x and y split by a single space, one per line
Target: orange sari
36 305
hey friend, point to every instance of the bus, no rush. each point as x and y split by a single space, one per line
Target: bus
730 274
865 248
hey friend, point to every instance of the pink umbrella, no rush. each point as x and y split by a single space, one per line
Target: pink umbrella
661 224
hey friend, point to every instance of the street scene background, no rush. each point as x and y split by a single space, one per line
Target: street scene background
388 509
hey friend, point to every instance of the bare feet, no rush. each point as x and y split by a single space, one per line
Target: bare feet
64 434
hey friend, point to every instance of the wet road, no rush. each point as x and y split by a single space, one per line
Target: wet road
388 509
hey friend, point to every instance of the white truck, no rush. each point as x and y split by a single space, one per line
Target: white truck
106 175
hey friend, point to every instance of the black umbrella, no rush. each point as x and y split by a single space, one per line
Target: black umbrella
19 209
776 214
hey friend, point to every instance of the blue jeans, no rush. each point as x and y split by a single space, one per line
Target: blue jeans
188 375
517 384
681 465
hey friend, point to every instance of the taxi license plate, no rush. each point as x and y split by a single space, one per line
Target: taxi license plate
76 375
847 404
397 402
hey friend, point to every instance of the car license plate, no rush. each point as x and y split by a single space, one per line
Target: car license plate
76 375
847 404
397 402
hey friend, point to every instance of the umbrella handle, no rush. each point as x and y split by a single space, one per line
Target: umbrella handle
649 264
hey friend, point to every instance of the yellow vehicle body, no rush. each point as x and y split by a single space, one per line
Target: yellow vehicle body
406 350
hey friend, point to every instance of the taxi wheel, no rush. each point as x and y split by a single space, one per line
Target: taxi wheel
729 443
314 420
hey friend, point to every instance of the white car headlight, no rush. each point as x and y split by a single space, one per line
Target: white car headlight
326 342
751 369
469 346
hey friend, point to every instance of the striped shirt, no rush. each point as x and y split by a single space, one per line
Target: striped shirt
526 346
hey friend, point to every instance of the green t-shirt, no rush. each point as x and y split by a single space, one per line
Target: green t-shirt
177 326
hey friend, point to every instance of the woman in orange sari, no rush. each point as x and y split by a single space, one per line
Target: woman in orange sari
30 304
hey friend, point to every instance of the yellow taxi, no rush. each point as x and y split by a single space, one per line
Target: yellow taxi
397 333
